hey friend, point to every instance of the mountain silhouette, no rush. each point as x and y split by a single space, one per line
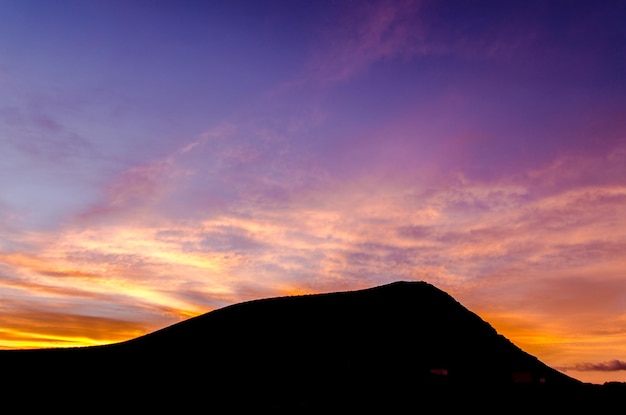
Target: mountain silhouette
404 346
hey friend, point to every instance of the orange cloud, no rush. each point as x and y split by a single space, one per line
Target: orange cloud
39 329
543 264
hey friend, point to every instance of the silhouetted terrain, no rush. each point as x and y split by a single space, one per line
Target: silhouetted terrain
402 347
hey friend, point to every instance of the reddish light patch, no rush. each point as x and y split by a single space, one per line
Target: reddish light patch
522 377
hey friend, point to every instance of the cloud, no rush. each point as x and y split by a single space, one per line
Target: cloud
244 211
472 238
29 327
365 33
41 136
610 366
370 32
136 190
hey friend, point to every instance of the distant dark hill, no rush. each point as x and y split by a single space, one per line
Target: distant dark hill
402 346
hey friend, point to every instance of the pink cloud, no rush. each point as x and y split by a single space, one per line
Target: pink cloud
369 33
136 191
366 33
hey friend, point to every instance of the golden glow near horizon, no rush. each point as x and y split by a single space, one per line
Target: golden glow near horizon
29 340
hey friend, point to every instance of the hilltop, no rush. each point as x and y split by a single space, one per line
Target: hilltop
393 347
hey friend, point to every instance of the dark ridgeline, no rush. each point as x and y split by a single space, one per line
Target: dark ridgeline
405 346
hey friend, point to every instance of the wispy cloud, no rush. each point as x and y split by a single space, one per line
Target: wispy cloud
370 32
41 136
366 33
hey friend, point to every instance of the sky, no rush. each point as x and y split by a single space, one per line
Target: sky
162 159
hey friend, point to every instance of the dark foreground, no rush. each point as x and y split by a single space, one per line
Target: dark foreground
399 348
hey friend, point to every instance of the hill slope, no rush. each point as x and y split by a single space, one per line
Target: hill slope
397 346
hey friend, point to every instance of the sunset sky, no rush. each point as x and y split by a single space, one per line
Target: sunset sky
161 159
